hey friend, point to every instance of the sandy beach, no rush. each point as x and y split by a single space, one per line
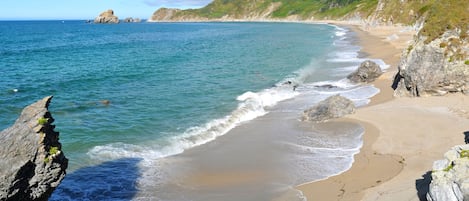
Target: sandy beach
403 135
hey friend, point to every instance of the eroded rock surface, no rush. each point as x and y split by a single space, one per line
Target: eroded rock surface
330 108
367 72
32 163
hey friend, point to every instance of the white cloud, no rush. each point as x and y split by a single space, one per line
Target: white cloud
177 3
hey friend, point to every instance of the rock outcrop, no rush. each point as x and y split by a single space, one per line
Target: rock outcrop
332 107
132 20
450 176
435 68
107 17
32 163
367 72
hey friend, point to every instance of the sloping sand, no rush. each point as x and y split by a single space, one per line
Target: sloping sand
403 135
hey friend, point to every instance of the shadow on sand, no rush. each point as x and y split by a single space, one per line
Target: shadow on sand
112 180
422 185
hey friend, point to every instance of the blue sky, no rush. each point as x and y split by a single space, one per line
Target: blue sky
87 9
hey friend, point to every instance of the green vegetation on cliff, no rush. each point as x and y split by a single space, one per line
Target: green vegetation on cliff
282 8
445 15
438 15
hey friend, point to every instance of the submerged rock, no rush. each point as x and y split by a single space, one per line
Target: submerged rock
33 163
132 20
107 17
367 72
333 107
450 176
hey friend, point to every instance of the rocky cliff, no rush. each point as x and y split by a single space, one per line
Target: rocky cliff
247 10
450 176
434 68
107 17
32 164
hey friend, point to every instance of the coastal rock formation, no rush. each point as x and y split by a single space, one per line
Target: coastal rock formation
450 176
367 72
333 107
107 17
132 20
435 68
32 164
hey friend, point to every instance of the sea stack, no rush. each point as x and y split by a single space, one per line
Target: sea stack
106 17
33 163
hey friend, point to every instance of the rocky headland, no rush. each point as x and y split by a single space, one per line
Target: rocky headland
106 17
33 163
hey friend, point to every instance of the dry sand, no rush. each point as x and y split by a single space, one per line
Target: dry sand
403 135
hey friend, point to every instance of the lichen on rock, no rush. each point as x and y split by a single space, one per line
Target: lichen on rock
434 68
450 176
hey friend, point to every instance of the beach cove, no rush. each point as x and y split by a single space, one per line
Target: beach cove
262 150
403 136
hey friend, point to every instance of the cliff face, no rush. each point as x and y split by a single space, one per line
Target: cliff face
107 17
436 68
32 164
437 62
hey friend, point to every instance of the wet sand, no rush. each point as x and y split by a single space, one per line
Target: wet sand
403 135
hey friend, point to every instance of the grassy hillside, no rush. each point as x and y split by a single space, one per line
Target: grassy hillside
438 15
301 8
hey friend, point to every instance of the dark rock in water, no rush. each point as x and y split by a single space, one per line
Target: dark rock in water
333 107
107 17
132 20
32 163
367 72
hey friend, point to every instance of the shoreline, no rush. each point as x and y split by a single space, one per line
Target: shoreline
366 169
403 136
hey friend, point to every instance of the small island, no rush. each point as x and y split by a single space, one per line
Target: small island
107 17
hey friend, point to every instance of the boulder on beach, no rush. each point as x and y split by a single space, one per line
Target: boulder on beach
333 107
367 72
107 17
33 163
450 176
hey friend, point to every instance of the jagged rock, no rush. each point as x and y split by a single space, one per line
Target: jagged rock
107 17
333 107
431 69
367 72
450 176
32 163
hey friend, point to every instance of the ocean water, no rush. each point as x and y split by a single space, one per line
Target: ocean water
172 87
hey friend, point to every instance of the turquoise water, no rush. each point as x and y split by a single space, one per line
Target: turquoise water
170 86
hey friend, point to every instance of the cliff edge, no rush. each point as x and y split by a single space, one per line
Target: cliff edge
32 164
